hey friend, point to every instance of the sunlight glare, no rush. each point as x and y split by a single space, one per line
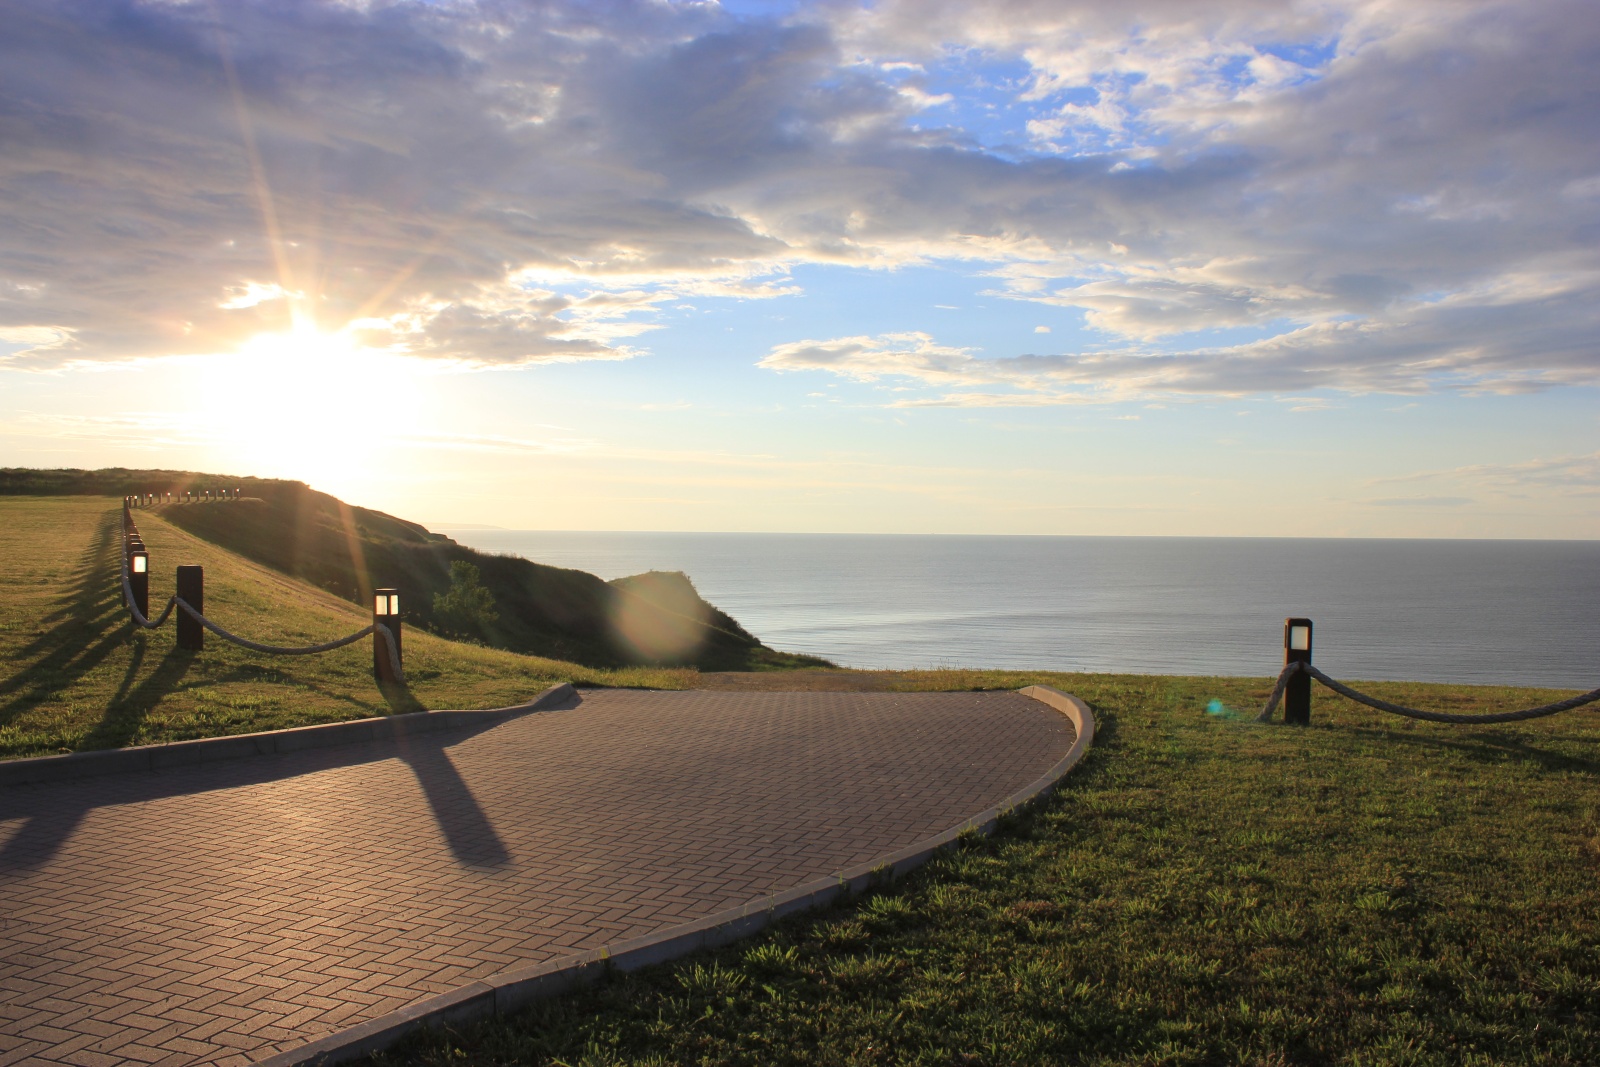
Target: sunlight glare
311 406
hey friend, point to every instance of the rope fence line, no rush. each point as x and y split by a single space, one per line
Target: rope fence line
1417 713
374 630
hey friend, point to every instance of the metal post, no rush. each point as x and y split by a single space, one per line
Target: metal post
385 612
1297 649
192 591
139 579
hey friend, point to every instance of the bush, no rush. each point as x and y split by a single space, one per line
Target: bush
467 607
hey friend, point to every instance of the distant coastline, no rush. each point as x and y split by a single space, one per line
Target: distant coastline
1508 612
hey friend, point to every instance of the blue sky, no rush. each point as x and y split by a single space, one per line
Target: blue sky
1213 267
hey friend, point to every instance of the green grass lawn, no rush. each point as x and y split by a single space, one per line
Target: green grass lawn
75 673
1202 890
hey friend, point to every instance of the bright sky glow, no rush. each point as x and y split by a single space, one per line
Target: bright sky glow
1200 267
309 402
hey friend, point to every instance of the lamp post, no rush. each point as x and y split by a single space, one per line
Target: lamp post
139 579
1297 649
192 591
386 613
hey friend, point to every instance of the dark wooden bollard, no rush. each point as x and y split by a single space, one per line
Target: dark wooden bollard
386 612
1297 649
139 579
192 591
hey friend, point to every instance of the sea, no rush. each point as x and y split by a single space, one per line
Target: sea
1489 612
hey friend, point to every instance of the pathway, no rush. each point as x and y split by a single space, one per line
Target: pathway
228 911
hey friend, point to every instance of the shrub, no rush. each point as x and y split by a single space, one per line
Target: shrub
467 607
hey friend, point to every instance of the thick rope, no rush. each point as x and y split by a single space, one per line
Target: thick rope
1416 713
1277 692
133 609
255 646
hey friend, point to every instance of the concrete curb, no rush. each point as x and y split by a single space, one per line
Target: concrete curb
156 758
510 990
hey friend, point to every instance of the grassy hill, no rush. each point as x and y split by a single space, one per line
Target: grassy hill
651 619
74 673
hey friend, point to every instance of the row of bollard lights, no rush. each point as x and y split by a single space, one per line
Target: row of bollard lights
191 589
181 496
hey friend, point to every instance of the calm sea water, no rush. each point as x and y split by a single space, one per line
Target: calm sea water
1512 612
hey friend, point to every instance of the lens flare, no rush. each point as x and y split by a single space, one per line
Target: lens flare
1221 710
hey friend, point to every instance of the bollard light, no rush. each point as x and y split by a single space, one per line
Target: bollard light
192 591
139 579
1297 649
386 613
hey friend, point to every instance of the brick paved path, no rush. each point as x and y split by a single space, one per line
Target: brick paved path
220 914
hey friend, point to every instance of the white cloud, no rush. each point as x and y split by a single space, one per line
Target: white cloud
1397 196
1420 502
1521 338
1570 475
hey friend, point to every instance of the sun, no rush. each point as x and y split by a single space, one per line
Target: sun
310 405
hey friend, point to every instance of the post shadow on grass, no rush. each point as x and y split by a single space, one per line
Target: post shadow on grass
85 626
52 813
1486 748
127 709
141 644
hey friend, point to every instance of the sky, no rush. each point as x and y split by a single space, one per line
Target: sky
1159 267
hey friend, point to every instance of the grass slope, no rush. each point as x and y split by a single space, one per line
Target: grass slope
656 618
1202 890
74 673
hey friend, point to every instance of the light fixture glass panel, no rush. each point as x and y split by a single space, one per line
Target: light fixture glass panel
140 563
1300 638
380 605
394 604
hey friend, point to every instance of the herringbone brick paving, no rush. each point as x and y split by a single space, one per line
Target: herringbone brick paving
224 912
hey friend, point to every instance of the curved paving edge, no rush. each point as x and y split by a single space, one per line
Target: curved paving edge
76 765
506 992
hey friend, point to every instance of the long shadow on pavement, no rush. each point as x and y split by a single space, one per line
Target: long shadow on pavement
52 812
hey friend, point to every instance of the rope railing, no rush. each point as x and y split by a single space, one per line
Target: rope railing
1418 713
139 618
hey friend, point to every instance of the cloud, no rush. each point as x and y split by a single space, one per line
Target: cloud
1420 502
179 178
1523 339
1393 197
1569 475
